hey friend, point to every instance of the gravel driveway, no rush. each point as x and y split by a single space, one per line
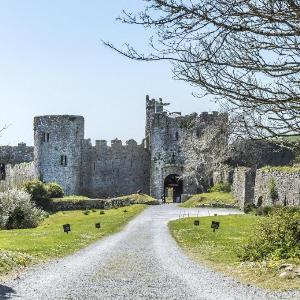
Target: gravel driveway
141 262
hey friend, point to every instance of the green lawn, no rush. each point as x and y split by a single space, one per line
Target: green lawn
212 198
25 246
219 249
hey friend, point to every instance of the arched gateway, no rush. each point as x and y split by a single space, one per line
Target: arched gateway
173 187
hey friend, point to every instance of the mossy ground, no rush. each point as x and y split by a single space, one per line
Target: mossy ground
22 247
210 199
219 249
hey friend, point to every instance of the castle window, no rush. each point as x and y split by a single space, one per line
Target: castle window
45 137
2 172
63 160
177 136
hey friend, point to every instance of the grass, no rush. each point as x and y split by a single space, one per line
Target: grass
219 249
22 247
73 198
141 199
212 198
285 169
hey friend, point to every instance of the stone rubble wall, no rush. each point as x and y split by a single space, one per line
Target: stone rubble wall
16 154
243 185
116 170
287 186
223 174
17 175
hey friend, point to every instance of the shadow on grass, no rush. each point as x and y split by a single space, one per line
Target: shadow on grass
6 292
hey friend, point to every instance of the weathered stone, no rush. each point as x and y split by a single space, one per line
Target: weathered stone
193 149
284 275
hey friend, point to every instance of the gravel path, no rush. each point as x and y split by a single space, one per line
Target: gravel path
141 262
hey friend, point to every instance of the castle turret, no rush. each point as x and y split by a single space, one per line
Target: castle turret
58 150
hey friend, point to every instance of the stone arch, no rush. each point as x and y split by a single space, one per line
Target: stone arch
175 183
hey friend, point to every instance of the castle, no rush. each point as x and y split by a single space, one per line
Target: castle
62 154
184 154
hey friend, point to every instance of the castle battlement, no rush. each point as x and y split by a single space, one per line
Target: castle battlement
111 168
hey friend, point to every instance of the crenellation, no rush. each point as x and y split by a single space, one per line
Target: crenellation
179 152
116 143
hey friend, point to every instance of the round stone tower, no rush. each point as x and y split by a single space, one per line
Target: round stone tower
58 150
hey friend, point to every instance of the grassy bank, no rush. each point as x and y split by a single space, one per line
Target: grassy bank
25 246
219 249
213 198
141 199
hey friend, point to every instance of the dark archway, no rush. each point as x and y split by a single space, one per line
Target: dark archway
173 185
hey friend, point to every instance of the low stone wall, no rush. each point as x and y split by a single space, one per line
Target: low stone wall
65 205
243 185
17 175
287 185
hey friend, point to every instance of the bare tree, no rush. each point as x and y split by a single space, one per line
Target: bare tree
3 128
243 52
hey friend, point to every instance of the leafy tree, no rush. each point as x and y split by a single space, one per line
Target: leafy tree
245 53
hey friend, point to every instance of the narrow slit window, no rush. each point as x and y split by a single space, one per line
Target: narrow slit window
43 137
2 172
48 137
177 136
63 160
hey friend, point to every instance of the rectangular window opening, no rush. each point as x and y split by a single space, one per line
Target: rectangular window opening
63 160
2 172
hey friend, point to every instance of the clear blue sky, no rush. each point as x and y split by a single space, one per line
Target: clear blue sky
52 62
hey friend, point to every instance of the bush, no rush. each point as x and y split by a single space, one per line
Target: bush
276 237
38 192
18 211
273 189
264 210
221 187
55 190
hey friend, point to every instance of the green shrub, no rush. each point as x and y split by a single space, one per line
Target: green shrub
18 211
221 187
102 212
250 207
55 190
276 237
86 212
273 189
264 210
38 192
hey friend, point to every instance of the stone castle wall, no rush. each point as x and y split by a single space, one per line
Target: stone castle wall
115 170
287 186
16 154
243 185
17 175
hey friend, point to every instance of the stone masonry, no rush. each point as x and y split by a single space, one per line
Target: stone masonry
183 153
